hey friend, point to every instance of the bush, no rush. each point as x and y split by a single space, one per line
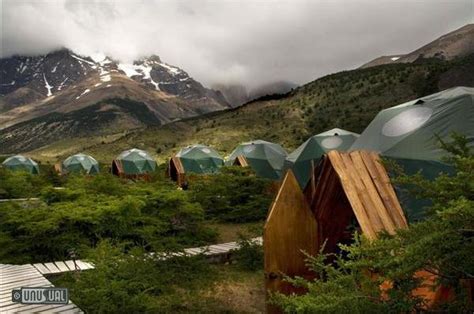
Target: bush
233 195
154 216
135 282
19 184
249 256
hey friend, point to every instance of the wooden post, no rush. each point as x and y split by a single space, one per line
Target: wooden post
290 229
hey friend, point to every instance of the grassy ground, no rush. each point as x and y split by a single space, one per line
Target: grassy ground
229 232
232 290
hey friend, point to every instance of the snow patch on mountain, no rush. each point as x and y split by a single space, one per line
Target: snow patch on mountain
171 69
143 70
62 83
83 93
128 69
81 59
48 87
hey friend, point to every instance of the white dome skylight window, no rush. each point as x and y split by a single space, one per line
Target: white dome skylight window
206 150
249 148
331 142
407 121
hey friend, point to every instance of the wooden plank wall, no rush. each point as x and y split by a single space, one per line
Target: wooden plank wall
290 228
369 191
176 171
241 161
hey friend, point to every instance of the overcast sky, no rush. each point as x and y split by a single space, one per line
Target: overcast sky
249 42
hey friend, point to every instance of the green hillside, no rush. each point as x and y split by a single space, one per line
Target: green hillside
348 100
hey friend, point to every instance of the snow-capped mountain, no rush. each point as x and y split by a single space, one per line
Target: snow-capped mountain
51 74
44 98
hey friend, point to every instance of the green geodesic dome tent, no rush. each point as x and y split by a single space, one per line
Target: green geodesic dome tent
21 163
80 163
408 133
133 162
265 158
300 160
200 159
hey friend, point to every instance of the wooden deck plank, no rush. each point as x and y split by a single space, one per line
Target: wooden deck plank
217 249
37 282
41 268
20 273
88 264
71 265
229 245
82 265
52 268
61 266
194 251
16 277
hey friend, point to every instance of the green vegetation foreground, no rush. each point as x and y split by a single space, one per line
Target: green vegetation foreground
154 216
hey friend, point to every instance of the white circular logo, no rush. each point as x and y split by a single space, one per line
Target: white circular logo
331 142
407 121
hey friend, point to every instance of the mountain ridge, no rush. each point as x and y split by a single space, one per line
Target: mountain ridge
61 78
457 43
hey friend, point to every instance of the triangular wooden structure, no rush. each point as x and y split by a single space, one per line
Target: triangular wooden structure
290 229
346 190
175 171
353 188
58 168
240 161
117 168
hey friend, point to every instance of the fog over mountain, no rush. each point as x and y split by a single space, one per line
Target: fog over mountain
232 42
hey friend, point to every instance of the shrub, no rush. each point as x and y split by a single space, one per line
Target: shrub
249 256
154 216
235 195
19 184
135 282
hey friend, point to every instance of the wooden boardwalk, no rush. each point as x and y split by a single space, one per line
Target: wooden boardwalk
62 267
33 275
208 250
17 276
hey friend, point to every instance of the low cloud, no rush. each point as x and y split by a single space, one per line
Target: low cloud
228 42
